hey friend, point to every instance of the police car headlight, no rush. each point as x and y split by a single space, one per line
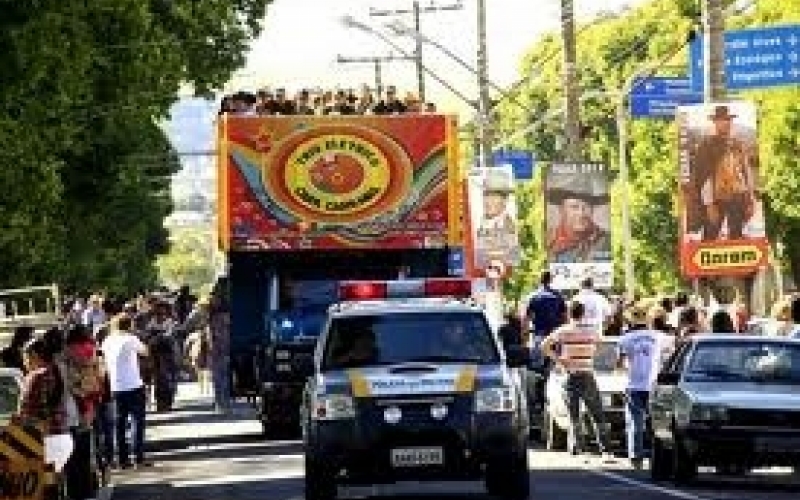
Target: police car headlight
333 407
496 399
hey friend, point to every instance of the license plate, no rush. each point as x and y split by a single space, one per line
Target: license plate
416 457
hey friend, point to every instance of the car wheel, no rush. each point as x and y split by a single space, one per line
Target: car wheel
507 477
684 464
660 461
320 482
555 438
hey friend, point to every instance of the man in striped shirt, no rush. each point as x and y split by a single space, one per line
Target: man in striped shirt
577 344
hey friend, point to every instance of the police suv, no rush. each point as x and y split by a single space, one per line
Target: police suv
409 382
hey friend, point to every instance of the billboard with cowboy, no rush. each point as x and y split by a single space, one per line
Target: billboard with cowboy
332 182
493 219
578 221
722 230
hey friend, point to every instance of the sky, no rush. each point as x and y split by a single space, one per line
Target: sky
302 39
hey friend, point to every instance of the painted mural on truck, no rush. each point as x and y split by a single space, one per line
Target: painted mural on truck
311 182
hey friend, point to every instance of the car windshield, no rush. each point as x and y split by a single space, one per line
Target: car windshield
9 396
304 309
395 338
605 358
741 361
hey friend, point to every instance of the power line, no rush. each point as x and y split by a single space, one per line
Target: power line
417 10
377 62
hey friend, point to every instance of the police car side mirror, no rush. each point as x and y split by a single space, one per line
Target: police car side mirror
517 356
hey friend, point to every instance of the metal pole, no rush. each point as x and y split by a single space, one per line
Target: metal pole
571 97
418 55
378 79
484 101
622 129
714 54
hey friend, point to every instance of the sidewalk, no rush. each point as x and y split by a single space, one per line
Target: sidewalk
194 423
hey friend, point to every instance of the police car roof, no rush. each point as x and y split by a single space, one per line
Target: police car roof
404 305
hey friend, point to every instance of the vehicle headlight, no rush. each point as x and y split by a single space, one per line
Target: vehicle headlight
333 407
496 399
708 413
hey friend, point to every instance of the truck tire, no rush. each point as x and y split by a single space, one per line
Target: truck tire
320 482
507 477
660 461
684 464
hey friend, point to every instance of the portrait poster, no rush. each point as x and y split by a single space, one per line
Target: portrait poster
722 229
493 218
578 224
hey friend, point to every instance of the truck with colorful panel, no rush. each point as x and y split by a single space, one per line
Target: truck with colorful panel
308 201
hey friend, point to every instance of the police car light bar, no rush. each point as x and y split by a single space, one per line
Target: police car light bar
411 288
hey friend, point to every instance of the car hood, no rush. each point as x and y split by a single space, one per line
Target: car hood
745 395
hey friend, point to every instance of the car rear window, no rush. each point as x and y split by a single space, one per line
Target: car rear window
385 339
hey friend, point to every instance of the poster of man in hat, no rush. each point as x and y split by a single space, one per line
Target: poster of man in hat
578 213
720 172
493 214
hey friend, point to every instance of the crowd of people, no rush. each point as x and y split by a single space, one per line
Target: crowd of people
324 102
90 380
565 334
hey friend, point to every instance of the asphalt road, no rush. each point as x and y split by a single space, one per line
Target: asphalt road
247 468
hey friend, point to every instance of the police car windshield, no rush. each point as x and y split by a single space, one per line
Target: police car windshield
745 361
386 339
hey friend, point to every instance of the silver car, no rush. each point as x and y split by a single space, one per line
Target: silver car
732 402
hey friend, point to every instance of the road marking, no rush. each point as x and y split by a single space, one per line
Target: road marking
238 478
647 486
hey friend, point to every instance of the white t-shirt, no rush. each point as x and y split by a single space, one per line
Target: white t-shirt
644 349
121 354
597 308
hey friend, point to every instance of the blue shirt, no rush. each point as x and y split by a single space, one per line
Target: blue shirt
546 310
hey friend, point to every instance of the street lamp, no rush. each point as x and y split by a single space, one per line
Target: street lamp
353 23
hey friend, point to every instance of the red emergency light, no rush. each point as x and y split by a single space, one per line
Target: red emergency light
410 288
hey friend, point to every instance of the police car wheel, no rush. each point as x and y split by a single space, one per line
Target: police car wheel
507 477
320 482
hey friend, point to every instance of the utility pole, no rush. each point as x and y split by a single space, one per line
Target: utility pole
377 62
416 11
571 92
714 53
484 101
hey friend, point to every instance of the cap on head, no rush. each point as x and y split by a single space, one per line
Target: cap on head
722 113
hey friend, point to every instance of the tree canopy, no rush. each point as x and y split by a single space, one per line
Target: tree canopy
609 52
84 165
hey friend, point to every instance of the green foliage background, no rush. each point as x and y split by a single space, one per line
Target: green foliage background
609 52
84 167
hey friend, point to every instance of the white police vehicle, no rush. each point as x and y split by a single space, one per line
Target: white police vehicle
409 382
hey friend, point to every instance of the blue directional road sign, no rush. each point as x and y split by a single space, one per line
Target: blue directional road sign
754 58
660 96
522 162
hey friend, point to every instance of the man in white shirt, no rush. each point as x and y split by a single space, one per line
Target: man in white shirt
642 347
597 308
121 351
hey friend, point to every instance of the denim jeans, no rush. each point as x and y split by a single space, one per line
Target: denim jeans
131 404
582 386
221 378
635 422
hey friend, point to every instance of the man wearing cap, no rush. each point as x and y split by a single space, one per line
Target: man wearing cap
723 179
577 237
497 232
642 347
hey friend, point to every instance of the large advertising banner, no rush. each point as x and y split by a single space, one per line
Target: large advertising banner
722 230
493 220
578 221
311 182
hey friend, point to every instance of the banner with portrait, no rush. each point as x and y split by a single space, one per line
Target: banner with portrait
722 230
578 222
493 219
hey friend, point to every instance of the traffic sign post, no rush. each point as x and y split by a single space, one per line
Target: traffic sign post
522 162
660 96
754 58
